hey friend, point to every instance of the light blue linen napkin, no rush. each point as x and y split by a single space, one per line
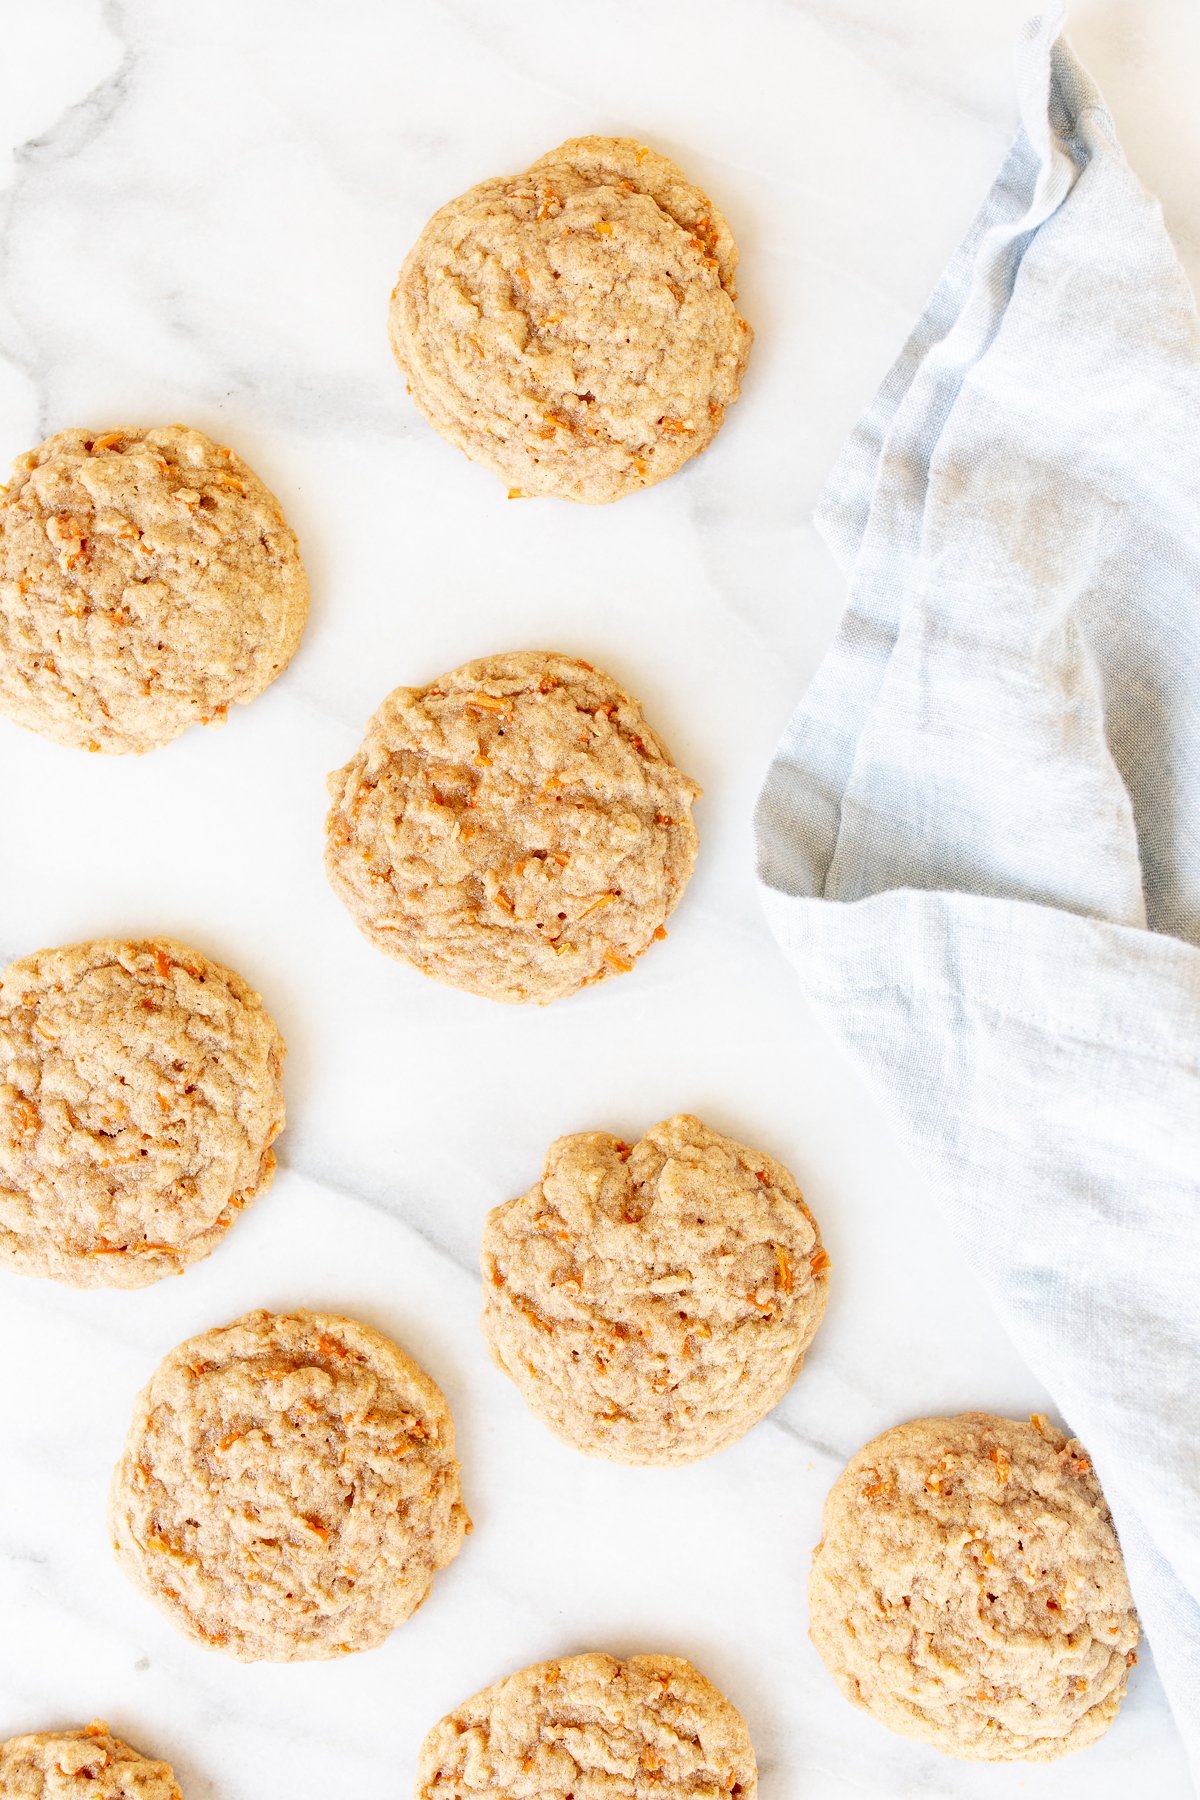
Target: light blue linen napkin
979 841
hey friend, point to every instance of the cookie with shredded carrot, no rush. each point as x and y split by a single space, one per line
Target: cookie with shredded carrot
288 1488
90 1764
575 328
515 828
969 1589
140 1094
148 580
594 1727
653 1301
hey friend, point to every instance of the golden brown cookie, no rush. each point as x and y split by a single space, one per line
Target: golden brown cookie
288 1488
595 1729
652 1302
969 1589
147 580
81 1765
575 328
515 829
140 1094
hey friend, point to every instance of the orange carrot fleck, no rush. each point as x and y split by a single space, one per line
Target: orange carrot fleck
882 1488
596 905
28 1116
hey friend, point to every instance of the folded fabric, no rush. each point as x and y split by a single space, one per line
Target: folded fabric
978 842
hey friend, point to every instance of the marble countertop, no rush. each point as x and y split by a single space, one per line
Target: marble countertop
203 213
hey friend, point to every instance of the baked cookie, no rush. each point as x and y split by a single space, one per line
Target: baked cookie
288 1488
969 1589
81 1765
595 1728
575 328
515 829
652 1302
147 580
140 1095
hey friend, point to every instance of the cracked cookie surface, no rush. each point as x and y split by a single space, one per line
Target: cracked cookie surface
140 1094
288 1488
574 328
148 581
81 1765
595 1728
515 828
652 1302
969 1589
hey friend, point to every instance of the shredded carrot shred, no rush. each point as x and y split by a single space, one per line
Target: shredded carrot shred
596 905
28 1116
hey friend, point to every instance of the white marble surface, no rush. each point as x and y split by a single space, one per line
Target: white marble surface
203 213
